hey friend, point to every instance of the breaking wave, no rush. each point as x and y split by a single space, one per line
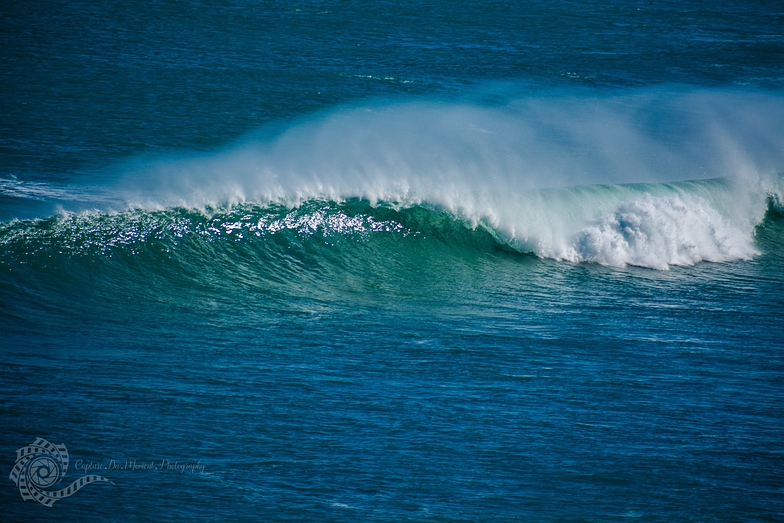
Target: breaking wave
651 179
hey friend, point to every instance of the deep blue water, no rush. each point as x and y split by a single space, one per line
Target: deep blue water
411 261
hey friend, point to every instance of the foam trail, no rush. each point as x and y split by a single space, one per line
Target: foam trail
41 191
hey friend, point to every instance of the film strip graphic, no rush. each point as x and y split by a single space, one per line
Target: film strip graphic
41 465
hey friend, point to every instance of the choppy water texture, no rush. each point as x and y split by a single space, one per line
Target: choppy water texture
394 262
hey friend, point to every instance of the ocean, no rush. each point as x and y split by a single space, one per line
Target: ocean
392 261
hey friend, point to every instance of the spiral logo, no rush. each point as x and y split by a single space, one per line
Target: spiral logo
41 465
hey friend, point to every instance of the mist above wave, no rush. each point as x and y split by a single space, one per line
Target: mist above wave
463 155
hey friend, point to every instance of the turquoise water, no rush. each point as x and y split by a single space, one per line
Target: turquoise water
393 262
